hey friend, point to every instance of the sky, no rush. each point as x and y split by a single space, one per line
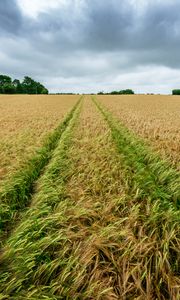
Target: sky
92 45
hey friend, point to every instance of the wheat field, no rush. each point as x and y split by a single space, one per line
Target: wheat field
93 211
24 122
156 118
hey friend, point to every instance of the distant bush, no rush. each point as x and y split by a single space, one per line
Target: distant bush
126 92
114 93
176 92
122 92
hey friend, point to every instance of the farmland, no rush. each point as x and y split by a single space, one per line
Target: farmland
25 121
94 213
154 118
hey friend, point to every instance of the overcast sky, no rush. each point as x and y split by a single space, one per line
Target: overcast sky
92 45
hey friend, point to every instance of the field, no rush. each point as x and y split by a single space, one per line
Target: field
154 118
25 121
93 210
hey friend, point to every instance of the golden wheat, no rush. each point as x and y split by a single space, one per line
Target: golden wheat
24 122
154 117
103 220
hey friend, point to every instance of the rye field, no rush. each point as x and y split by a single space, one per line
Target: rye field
90 197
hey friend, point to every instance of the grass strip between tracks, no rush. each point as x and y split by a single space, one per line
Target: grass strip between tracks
16 192
148 175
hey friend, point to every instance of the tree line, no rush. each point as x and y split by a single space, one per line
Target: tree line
131 92
121 92
27 86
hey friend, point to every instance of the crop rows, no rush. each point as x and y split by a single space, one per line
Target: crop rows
153 177
16 191
102 221
25 122
154 118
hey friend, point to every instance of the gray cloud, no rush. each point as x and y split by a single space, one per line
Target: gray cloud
91 43
10 17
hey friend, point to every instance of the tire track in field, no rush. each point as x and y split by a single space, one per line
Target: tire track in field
95 188
119 247
154 192
27 259
153 177
16 193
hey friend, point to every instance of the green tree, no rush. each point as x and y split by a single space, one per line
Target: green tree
29 85
123 92
5 79
9 88
126 92
5 84
41 89
18 87
44 91
114 93
176 92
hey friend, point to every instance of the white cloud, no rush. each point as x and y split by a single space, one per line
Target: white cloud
33 7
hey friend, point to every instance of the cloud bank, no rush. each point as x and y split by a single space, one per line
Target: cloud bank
90 45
